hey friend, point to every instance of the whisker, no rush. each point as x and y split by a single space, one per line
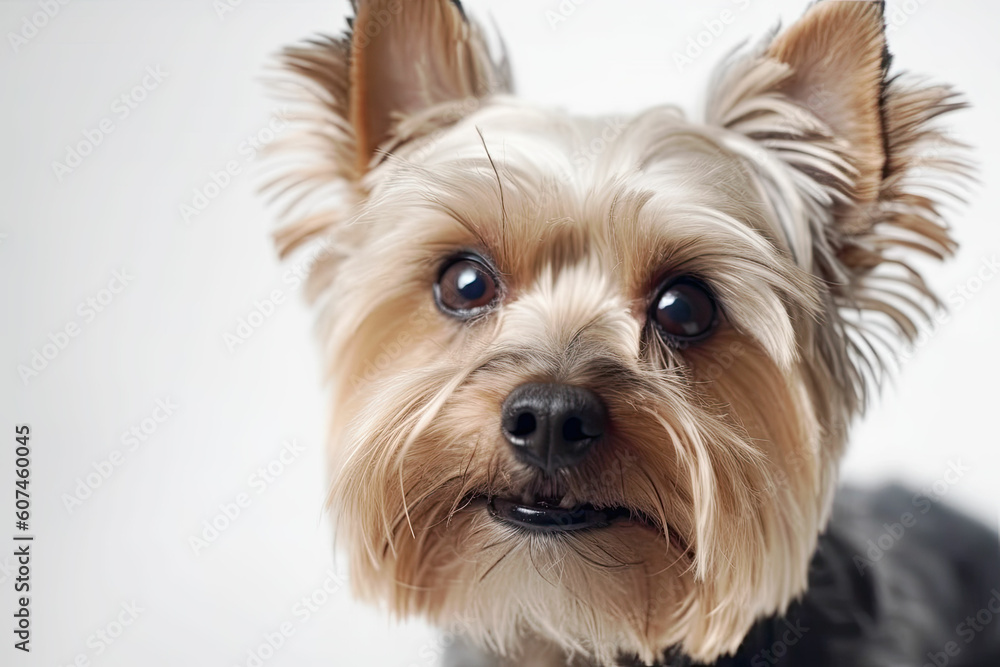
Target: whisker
497 562
503 208
619 565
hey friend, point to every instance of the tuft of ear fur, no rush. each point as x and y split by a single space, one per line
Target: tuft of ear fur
837 59
399 60
855 169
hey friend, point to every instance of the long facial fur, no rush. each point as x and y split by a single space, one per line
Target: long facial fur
729 448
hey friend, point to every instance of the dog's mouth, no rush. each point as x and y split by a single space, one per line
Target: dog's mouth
548 516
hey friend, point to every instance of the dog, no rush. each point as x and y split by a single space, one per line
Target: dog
591 380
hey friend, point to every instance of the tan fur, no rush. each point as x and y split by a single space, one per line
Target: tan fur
836 65
800 217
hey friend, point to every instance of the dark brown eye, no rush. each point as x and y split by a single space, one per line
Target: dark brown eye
685 310
466 287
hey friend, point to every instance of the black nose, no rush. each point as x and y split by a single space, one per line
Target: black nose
552 426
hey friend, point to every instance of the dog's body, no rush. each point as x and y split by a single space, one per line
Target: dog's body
885 590
592 380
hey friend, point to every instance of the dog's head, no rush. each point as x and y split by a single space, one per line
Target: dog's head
592 377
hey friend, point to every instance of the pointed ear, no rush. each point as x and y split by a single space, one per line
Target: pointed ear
399 59
850 161
821 83
817 97
408 56
837 60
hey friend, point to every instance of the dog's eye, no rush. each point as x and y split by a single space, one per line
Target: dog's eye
685 310
466 287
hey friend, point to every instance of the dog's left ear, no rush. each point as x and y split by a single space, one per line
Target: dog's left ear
850 159
838 61
831 64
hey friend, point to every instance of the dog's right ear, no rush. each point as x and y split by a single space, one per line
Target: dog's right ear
398 60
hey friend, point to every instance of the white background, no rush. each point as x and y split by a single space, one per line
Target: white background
162 336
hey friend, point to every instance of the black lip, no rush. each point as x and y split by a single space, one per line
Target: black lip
551 519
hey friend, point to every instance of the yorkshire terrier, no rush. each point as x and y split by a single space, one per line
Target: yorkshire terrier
592 380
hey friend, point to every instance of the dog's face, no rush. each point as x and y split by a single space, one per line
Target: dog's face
592 377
